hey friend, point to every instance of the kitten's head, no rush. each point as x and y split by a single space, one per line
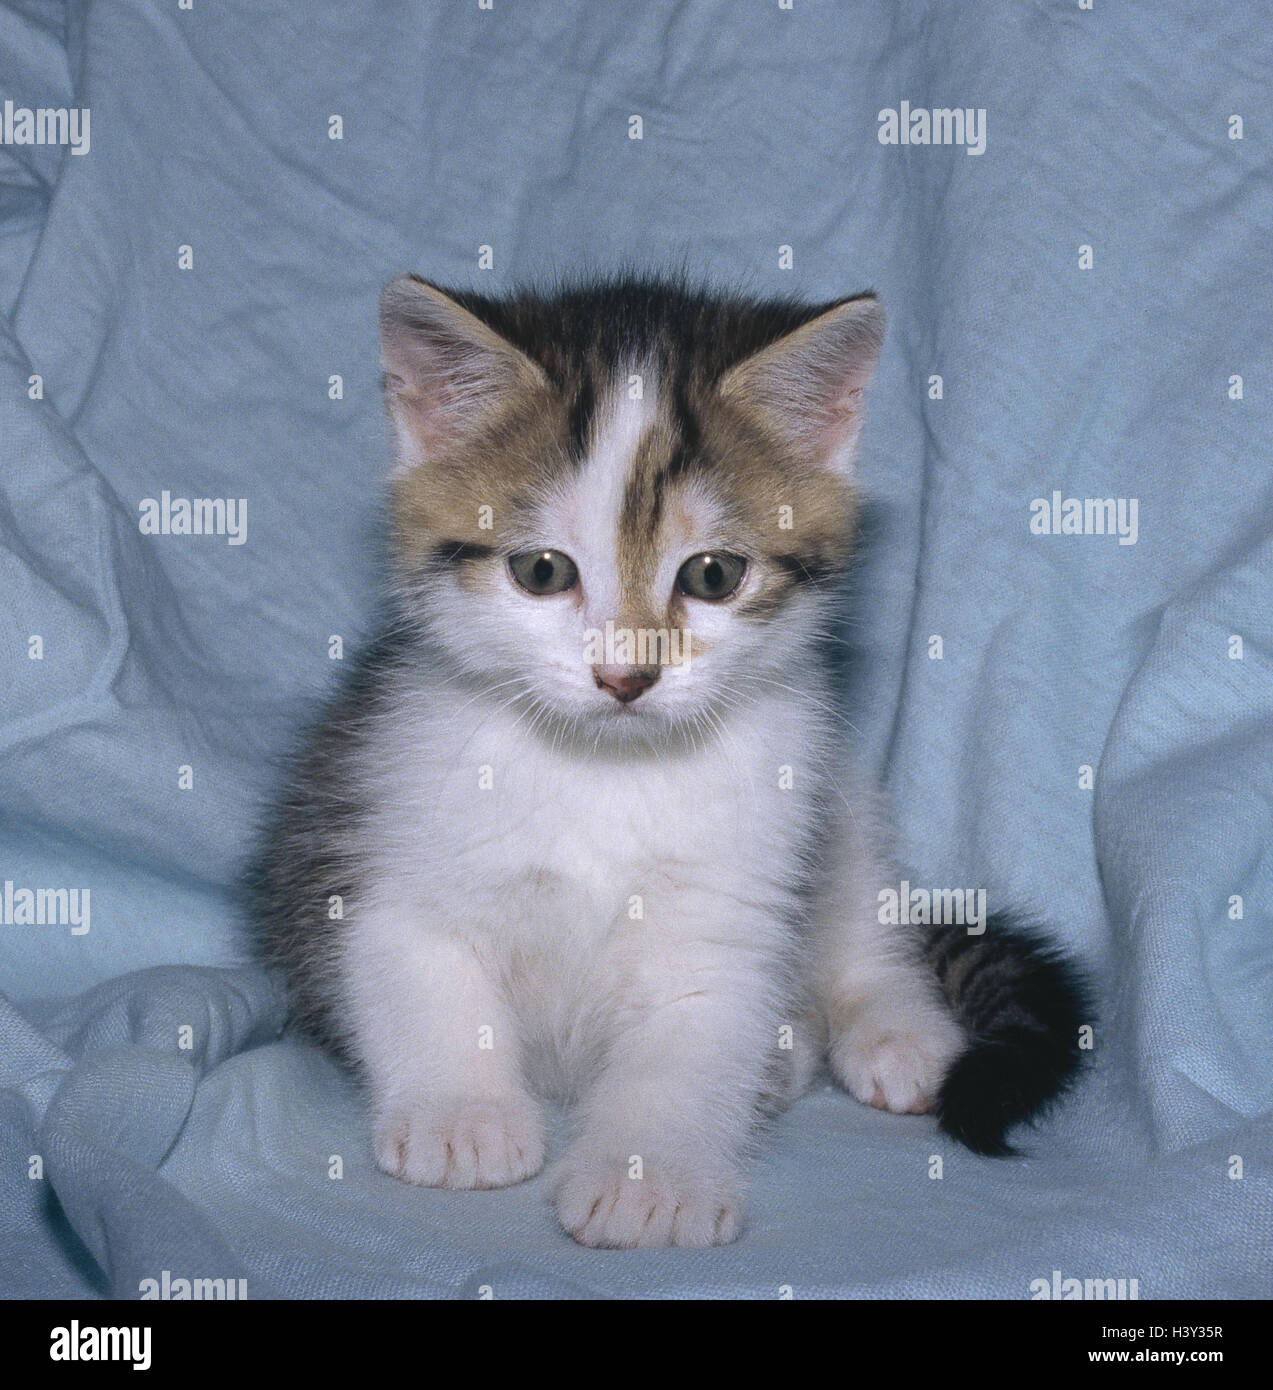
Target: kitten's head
622 507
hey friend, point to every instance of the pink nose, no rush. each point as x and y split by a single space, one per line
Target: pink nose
625 683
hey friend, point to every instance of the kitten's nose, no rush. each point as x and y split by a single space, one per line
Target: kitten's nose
625 683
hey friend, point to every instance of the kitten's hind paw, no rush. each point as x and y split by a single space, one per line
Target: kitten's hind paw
460 1143
601 1205
899 1068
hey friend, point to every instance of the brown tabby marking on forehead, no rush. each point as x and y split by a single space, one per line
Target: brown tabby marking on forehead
752 479
642 518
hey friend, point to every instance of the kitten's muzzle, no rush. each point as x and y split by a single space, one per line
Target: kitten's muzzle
625 683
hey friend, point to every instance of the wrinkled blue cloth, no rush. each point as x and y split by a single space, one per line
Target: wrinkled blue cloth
189 308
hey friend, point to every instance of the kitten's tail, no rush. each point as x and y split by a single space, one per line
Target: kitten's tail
1022 1003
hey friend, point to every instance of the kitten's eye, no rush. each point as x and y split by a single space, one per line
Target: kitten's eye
712 575
544 571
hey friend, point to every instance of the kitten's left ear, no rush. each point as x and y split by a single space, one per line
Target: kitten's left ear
807 388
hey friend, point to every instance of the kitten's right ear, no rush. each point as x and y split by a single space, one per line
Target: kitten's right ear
808 387
445 370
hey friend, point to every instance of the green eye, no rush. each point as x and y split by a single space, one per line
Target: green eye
713 575
544 571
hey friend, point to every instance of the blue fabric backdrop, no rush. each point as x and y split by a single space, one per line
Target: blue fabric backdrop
461 128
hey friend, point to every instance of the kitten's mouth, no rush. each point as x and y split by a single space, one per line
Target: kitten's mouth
628 711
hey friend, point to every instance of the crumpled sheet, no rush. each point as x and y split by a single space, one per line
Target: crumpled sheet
151 1115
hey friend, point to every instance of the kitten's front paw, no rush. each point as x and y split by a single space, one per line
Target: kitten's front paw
898 1068
601 1205
460 1143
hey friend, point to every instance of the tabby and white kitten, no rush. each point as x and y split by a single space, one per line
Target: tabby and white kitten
518 862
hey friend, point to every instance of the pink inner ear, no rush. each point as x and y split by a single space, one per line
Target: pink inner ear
443 366
809 386
819 405
838 422
416 360
437 378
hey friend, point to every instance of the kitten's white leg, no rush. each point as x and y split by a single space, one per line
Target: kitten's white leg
891 1036
802 1046
442 1055
664 1128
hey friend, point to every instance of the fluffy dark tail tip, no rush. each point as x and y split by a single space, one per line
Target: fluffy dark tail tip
1023 1003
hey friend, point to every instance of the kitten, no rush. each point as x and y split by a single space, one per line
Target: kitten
524 859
